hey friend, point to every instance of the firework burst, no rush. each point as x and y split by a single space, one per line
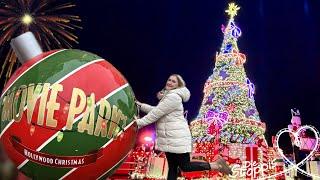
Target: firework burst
45 18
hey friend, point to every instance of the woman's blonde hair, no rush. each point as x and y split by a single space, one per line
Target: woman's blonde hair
181 82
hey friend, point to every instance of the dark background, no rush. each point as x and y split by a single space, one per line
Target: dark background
149 40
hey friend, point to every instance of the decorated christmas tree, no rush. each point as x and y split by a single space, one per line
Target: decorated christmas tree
228 120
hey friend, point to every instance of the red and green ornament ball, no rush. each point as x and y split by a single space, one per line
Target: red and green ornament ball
67 114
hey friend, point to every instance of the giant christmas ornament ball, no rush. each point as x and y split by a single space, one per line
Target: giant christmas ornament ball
67 114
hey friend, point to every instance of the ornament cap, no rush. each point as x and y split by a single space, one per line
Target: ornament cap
26 47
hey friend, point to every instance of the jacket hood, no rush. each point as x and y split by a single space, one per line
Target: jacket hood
183 92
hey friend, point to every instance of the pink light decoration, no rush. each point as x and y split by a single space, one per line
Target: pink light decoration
221 117
147 138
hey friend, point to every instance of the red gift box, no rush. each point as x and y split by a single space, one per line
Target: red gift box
252 156
252 153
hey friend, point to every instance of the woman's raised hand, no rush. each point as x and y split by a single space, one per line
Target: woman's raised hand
160 95
138 103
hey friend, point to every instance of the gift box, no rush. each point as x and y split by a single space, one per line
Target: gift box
252 153
158 168
313 167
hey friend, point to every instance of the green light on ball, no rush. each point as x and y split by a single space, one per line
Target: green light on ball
116 131
60 136
38 90
89 101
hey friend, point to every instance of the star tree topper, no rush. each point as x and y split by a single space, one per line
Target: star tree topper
232 10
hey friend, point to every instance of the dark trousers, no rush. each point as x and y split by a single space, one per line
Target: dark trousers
183 162
299 156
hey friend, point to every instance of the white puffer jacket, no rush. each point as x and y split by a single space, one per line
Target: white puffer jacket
173 134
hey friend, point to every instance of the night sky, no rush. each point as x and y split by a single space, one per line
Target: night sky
149 40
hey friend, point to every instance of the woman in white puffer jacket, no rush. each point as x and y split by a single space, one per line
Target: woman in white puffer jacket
173 134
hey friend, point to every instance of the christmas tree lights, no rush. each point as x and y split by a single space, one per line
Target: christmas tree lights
228 121
228 92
